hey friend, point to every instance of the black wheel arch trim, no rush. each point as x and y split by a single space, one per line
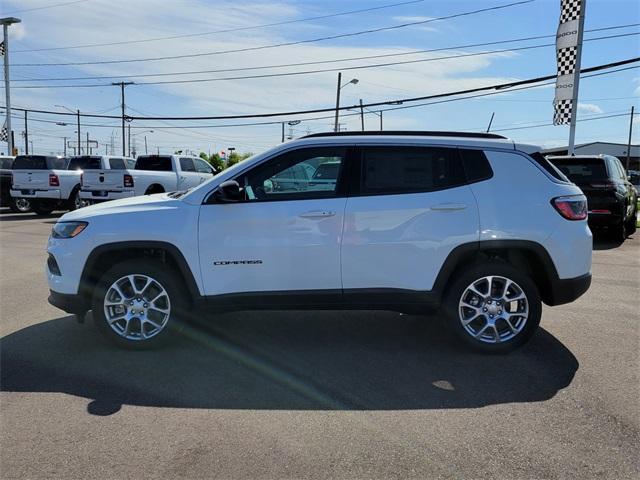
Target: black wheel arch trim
176 255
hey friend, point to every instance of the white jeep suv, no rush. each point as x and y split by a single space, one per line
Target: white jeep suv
473 225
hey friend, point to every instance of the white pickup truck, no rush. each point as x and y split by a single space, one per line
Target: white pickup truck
151 174
52 182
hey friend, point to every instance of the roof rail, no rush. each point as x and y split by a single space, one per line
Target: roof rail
412 133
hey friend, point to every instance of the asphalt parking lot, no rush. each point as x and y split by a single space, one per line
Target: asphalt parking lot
318 395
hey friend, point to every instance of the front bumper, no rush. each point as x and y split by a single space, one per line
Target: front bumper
70 303
106 195
566 290
50 194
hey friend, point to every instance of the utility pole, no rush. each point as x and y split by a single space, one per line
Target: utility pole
380 120
106 152
335 128
146 152
65 145
361 115
122 104
87 152
629 142
129 140
282 132
79 141
7 87
26 134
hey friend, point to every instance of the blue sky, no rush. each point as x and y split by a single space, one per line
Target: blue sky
105 21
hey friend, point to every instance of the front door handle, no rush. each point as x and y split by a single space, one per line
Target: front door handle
317 214
449 207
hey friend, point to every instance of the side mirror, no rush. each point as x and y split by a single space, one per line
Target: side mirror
227 192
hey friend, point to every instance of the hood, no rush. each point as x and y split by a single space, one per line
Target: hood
126 205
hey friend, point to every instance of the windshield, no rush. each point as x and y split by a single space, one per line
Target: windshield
156 163
581 170
39 162
85 163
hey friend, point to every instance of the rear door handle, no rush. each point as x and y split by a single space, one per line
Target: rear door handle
317 214
449 207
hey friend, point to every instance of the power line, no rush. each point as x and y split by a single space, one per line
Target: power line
45 7
324 70
551 124
284 44
251 27
319 62
499 88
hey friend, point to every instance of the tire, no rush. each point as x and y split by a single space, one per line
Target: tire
20 205
487 329
631 226
75 202
42 207
619 231
153 327
153 189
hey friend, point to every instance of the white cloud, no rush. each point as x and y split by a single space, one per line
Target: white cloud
589 108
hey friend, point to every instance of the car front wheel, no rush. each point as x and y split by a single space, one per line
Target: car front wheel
137 304
493 308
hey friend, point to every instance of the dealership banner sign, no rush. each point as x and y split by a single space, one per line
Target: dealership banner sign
568 53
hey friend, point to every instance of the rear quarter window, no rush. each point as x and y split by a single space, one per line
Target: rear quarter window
549 167
476 165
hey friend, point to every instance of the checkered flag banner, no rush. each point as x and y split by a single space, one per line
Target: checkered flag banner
4 134
568 58
2 49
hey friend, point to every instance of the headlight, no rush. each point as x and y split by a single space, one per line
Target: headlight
67 229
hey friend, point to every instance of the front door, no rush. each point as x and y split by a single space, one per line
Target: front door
285 235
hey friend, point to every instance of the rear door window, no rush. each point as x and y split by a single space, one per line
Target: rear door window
156 163
117 164
394 170
186 164
85 163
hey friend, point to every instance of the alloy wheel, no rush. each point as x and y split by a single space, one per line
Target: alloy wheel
493 309
137 307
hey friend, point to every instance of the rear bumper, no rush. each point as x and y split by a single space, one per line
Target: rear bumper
106 195
566 290
50 194
70 303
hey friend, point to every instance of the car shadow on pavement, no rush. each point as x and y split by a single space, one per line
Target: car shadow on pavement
285 361
16 217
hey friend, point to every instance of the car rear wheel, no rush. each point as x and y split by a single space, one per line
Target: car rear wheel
137 305
75 202
493 307
20 205
631 226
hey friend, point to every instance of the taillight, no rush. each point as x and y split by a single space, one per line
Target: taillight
54 181
128 180
571 207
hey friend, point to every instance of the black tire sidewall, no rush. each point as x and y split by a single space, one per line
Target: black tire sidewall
464 278
156 270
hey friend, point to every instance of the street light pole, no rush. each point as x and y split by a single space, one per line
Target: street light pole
335 125
361 115
380 120
65 145
146 152
7 87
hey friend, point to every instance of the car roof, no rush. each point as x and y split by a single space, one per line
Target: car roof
555 157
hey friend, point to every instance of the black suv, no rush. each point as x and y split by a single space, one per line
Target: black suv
610 195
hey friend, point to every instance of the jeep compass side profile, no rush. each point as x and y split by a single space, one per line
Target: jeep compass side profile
475 225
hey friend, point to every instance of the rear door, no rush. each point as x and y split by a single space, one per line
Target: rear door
188 177
409 208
